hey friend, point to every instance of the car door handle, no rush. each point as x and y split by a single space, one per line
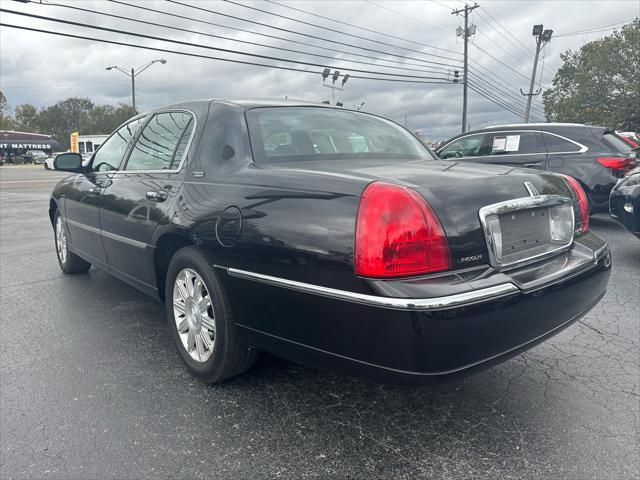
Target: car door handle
157 195
530 165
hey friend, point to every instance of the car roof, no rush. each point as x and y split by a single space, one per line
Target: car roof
247 103
564 129
544 124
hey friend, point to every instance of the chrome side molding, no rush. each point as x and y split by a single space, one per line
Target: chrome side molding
392 303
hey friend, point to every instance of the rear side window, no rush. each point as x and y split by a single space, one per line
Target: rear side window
162 143
557 144
511 143
469 146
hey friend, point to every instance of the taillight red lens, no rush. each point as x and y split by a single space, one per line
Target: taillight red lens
583 202
631 142
398 234
617 163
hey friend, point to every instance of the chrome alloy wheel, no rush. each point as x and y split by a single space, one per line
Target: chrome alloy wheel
61 241
193 314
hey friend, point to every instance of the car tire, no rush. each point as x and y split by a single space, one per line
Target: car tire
205 332
69 262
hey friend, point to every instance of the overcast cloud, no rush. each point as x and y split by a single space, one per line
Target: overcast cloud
42 69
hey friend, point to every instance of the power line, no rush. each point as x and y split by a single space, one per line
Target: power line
500 47
275 37
480 91
338 31
155 24
409 17
524 48
153 87
500 62
490 85
499 84
593 29
224 50
440 4
359 27
311 36
493 100
490 95
55 85
197 55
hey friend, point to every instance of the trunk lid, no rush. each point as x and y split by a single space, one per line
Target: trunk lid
455 190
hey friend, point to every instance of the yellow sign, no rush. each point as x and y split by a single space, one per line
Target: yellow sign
74 142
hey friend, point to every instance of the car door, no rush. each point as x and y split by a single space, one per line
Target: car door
138 197
82 203
522 148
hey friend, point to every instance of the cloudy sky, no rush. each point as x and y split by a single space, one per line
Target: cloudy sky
416 39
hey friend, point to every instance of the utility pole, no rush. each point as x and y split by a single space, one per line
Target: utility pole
542 38
465 35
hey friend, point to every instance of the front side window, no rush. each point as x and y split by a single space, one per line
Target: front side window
292 134
108 157
470 146
162 143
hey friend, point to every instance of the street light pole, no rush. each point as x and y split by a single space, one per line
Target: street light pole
133 89
325 74
133 74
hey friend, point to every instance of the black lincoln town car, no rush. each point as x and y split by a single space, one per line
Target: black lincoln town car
331 237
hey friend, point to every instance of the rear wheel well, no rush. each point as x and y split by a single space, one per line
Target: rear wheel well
166 247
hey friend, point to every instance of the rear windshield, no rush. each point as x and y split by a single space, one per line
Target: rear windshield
291 134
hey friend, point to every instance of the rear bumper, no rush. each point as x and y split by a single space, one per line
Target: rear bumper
430 339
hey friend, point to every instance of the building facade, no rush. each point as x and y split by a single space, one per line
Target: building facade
90 143
14 145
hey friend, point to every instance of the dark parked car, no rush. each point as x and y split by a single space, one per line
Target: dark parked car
597 157
624 202
35 156
328 236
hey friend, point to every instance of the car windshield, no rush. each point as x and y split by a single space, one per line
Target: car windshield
293 134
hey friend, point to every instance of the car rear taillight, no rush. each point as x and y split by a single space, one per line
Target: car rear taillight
631 142
617 163
583 202
398 234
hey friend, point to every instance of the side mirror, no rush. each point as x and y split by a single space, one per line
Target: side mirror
68 162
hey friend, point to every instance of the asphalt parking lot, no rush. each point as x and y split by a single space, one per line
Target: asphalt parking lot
92 387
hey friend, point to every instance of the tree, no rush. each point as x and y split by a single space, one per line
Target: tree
105 118
6 122
26 117
599 84
67 116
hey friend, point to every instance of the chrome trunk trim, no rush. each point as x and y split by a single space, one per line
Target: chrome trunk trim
518 204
